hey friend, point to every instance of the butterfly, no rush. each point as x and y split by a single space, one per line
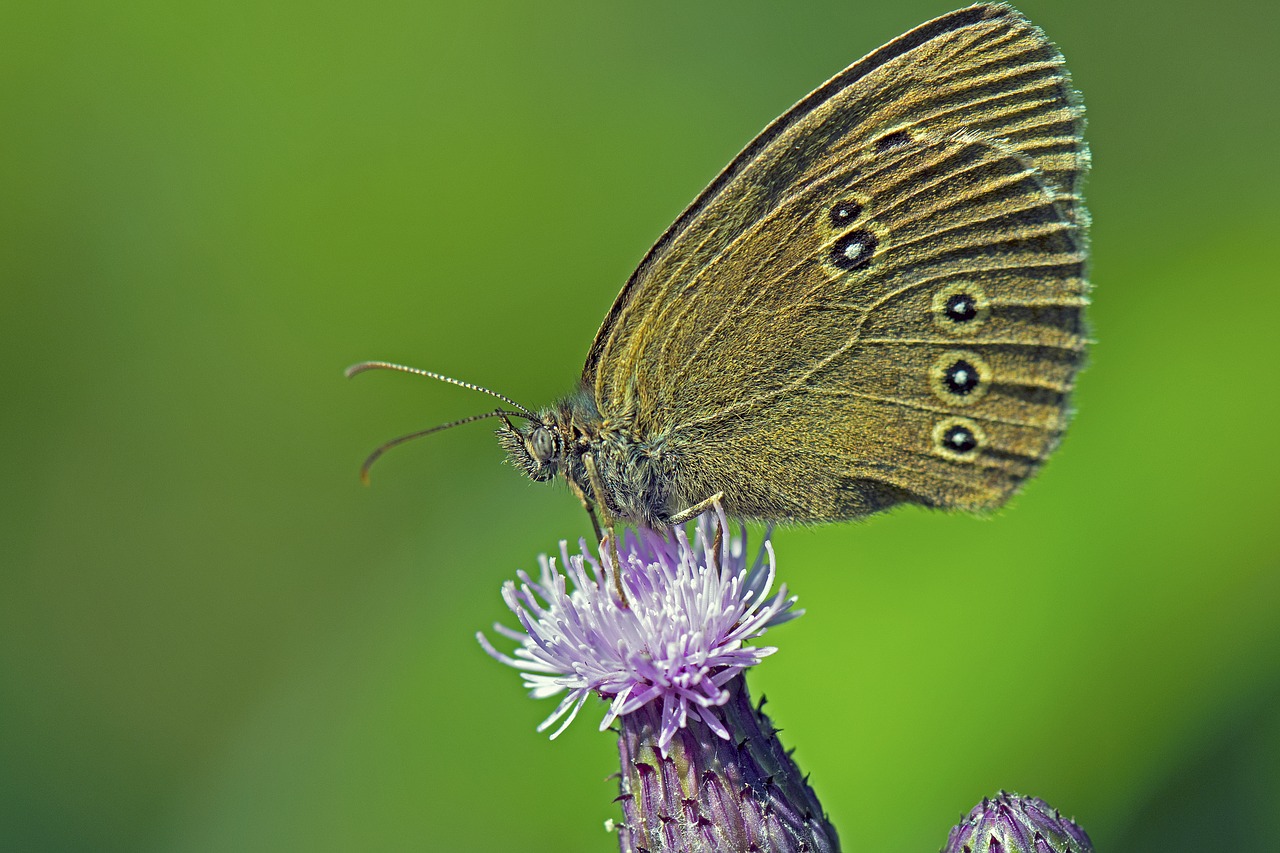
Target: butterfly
879 301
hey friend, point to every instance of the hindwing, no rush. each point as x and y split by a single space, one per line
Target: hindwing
880 299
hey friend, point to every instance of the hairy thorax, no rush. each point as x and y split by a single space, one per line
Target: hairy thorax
610 466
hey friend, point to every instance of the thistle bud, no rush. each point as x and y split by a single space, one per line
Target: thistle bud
1008 823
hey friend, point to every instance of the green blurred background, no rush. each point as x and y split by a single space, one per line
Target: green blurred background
213 638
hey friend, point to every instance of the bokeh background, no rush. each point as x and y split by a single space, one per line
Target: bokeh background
213 638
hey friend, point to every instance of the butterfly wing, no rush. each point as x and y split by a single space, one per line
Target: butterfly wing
880 299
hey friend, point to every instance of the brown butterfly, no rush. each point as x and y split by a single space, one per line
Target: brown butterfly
879 301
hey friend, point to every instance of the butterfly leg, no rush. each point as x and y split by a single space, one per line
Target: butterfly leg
595 522
589 506
610 537
696 510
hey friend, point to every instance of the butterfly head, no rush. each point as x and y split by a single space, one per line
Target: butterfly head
536 448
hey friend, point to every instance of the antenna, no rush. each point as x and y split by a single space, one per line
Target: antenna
356 369
373 457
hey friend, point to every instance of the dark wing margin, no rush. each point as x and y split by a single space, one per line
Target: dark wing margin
905 43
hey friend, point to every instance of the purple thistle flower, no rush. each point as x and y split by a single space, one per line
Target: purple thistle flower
677 642
1008 823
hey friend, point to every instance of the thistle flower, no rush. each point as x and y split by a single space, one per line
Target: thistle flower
676 642
1009 823
702 771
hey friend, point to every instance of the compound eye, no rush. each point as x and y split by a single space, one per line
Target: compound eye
542 445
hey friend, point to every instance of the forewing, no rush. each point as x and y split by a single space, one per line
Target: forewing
880 299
